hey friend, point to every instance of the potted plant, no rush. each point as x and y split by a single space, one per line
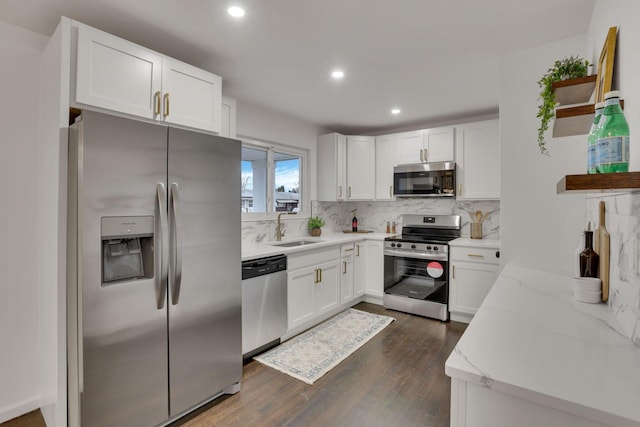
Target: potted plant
314 225
564 69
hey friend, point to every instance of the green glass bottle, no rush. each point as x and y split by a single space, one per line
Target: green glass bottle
592 139
612 147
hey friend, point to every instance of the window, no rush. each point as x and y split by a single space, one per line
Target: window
272 180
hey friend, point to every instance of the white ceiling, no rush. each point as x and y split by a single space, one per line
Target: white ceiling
437 60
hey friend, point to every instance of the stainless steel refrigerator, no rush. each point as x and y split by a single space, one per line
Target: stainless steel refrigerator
154 274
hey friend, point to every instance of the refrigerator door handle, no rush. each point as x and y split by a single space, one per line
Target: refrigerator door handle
161 253
176 244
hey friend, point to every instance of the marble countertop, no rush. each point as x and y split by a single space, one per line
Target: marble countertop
530 338
265 249
476 243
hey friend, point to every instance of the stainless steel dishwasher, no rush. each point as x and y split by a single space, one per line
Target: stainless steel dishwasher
264 303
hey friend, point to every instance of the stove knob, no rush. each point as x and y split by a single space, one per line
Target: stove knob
428 247
393 245
413 246
435 248
399 245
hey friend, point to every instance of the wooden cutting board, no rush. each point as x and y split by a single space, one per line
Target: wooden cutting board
602 247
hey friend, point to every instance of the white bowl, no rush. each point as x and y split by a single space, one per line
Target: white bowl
587 283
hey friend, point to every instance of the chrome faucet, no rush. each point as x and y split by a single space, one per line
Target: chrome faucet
279 230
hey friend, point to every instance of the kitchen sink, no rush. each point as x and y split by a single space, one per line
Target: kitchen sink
295 243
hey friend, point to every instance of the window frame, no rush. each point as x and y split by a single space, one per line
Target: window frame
304 200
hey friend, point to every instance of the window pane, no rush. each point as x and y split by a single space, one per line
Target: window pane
254 180
287 175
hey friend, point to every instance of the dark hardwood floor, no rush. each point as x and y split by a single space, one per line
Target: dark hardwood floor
396 379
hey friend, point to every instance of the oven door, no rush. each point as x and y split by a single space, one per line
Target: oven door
416 283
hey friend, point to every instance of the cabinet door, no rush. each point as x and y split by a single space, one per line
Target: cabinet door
116 75
228 117
346 279
408 148
478 160
360 167
384 167
468 285
332 167
327 290
438 144
374 269
359 269
190 96
301 286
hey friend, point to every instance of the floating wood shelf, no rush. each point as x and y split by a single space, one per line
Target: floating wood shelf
574 91
596 183
575 120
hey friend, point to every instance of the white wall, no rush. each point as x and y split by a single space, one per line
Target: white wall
20 303
538 227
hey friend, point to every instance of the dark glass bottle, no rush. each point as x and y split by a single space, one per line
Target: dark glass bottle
354 222
589 259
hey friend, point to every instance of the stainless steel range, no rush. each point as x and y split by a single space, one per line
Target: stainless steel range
416 265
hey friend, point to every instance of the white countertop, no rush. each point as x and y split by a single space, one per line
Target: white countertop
476 243
265 249
530 338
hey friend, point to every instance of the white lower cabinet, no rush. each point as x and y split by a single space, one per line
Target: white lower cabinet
346 273
359 268
472 272
313 286
374 276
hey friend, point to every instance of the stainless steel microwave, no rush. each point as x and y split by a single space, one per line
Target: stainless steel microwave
425 180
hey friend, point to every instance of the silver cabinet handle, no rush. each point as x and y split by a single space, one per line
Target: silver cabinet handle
391 191
426 155
340 192
349 192
344 267
453 271
175 263
358 250
161 252
421 155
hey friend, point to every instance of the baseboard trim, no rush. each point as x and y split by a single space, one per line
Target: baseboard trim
10 412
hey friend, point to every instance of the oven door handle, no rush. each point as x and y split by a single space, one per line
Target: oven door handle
403 254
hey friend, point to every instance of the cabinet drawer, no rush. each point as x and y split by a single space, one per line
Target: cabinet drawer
347 249
312 257
484 255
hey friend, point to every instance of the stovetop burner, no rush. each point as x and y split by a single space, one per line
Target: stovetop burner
433 229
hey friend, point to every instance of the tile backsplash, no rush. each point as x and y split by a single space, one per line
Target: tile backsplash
622 220
374 216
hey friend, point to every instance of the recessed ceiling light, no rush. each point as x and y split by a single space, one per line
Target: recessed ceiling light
236 11
395 111
337 74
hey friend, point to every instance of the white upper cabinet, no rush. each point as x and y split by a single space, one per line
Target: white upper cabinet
360 167
190 96
228 117
409 148
117 75
421 146
478 160
438 144
384 167
332 167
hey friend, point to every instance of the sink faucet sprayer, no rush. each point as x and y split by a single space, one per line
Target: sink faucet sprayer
279 230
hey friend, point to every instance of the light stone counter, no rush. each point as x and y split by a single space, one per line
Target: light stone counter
260 250
477 243
534 356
